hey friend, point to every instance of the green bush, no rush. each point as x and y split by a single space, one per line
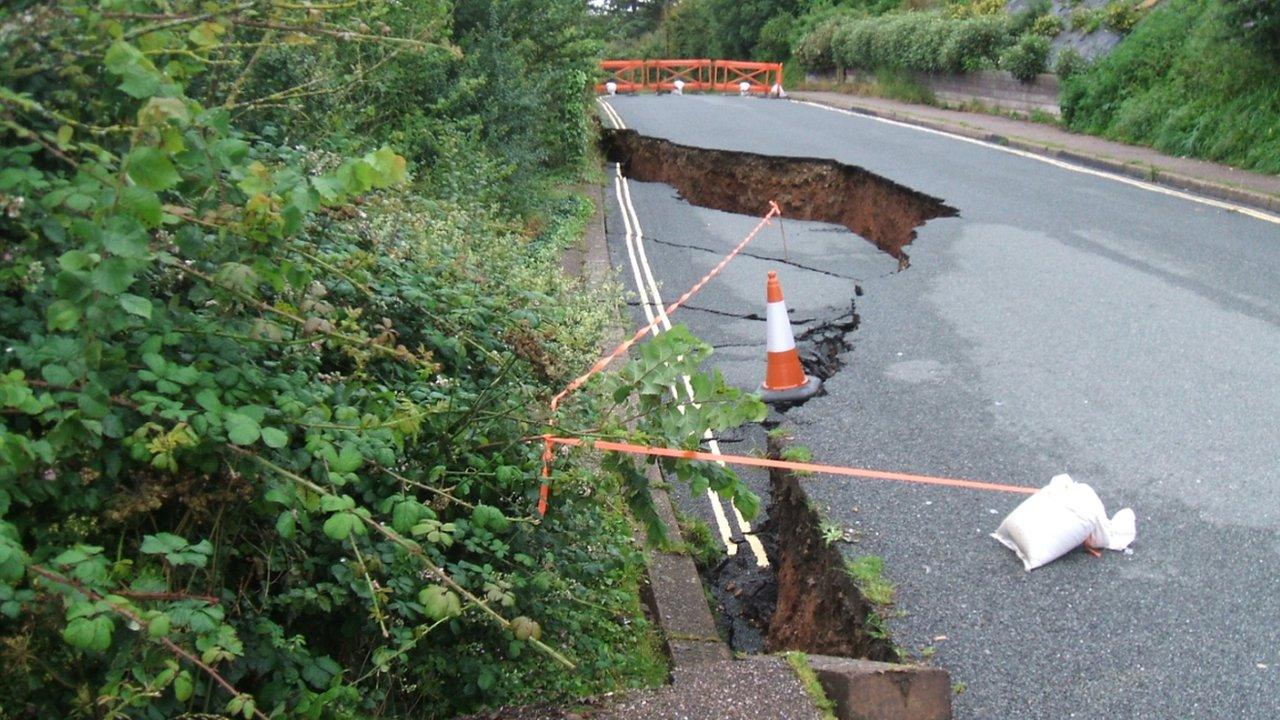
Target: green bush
1255 20
1121 15
919 41
1021 21
1068 63
1049 26
976 43
959 9
269 384
1027 58
815 50
775 39
1086 20
1182 83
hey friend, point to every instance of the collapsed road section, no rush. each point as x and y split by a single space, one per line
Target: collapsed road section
880 210
796 592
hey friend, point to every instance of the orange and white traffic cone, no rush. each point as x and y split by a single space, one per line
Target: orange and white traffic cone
784 378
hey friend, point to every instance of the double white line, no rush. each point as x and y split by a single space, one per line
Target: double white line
651 303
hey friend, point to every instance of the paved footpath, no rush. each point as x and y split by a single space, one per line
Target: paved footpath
1208 178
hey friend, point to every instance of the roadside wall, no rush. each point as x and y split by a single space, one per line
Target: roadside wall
993 88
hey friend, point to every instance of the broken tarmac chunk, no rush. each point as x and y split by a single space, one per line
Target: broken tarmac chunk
869 690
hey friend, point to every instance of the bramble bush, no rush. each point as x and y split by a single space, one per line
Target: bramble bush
269 384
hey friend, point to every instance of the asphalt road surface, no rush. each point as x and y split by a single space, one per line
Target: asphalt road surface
1063 322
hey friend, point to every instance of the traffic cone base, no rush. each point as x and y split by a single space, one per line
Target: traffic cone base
784 378
812 386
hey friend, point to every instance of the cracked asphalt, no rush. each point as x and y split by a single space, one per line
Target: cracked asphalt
1063 322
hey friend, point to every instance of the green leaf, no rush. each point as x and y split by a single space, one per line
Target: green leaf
62 315
286 525
206 34
163 543
340 525
139 82
747 502
176 549
229 151
73 260
113 276
241 429
183 686
142 204
489 517
57 375
389 168
135 305
208 399
152 169
158 627
336 503
139 77
349 459
405 515
159 111
439 602
274 438
125 236
78 202
89 633
121 55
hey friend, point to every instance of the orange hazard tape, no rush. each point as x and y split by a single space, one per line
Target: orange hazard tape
549 441
545 490
786 465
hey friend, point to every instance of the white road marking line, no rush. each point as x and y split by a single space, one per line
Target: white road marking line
622 191
651 301
612 114
1182 195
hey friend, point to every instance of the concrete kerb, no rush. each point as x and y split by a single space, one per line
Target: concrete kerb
1136 171
675 596
861 689
868 690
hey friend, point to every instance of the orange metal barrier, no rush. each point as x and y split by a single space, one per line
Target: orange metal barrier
729 74
696 74
630 75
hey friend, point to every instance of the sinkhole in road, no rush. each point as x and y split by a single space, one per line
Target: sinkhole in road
806 599
875 208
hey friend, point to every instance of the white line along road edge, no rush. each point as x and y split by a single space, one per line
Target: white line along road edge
653 306
1151 187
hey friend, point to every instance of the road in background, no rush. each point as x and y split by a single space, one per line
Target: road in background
1064 322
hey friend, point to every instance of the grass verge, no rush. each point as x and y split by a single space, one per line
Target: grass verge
799 663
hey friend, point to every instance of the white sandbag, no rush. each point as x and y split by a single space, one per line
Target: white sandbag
1059 517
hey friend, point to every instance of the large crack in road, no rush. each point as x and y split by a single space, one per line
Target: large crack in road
804 600
876 208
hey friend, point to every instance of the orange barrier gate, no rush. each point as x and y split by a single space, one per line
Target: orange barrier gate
697 74
760 77
629 75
